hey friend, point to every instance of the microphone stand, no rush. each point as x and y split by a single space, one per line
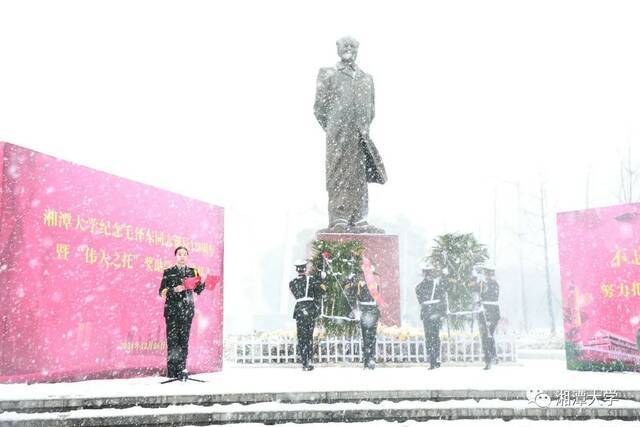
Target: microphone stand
184 378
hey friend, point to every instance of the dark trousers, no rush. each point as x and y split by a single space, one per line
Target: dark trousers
305 327
178 328
369 316
432 325
487 324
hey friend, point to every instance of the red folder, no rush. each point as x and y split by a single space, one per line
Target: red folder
211 281
191 282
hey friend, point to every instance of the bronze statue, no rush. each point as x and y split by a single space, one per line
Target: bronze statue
344 108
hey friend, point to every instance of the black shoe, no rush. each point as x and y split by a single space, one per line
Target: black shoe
370 365
183 375
487 366
338 227
364 228
434 365
307 367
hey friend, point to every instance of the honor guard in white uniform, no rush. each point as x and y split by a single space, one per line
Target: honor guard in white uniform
306 290
431 295
488 290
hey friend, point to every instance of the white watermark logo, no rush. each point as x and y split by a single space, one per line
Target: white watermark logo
572 398
539 397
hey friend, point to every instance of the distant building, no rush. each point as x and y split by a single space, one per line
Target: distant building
608 347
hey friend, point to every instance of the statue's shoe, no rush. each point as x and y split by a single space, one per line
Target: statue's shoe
365 228
337 228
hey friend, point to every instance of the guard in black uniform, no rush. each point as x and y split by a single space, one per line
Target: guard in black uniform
306 290
178 312
432 298
488 290
369 316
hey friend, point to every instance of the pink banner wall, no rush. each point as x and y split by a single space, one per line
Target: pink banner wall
600 274
81 260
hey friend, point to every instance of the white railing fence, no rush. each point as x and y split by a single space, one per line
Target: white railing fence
282 350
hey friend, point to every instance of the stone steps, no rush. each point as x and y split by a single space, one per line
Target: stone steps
156 401
278 413
308 407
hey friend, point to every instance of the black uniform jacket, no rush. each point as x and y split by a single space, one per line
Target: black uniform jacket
178 302
362 291
432 298
366 302
489 293
307 297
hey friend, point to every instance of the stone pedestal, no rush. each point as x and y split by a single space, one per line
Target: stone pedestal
383 251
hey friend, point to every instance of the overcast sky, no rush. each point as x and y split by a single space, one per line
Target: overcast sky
214 100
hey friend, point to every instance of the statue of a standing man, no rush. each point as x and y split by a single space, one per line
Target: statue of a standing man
345 108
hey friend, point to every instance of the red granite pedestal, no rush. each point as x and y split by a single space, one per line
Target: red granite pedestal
383 251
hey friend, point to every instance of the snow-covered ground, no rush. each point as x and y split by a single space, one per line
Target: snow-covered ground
469 423
274 407
525 375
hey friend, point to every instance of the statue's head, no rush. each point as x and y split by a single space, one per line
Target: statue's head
347 48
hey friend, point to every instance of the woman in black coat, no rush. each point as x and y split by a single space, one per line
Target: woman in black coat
178 312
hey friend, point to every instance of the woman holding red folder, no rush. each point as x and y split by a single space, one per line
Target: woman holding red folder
178 311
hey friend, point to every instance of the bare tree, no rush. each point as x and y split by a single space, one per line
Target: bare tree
628 178
552 319
521 242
